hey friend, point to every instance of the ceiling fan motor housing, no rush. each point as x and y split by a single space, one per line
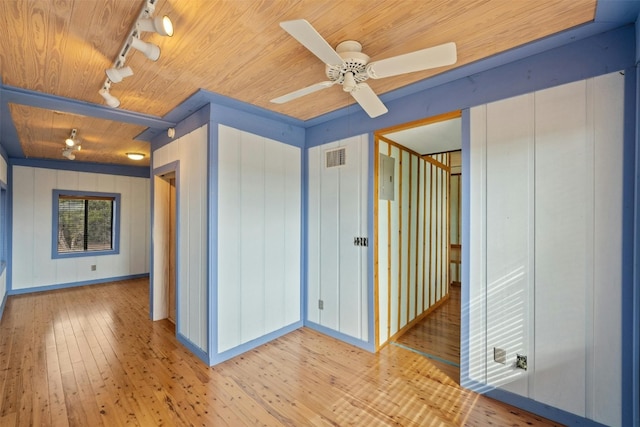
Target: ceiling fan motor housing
355 62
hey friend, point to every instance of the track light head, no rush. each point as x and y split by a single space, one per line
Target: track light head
68 153
117 74
111 100
71 140
150 50
161 25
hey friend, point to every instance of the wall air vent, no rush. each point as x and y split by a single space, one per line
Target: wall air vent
337 157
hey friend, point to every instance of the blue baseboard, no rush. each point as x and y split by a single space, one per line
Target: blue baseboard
75 284
4 302
250 345
365 345
200 353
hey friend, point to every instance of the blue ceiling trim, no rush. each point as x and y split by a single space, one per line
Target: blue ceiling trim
204 97
618 11
16 95
105 168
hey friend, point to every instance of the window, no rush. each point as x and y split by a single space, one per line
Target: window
85 223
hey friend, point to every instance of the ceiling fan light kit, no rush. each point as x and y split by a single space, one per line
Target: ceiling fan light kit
144 23
348 66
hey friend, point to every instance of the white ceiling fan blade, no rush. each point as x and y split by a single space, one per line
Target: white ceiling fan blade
302 31
301 92
368 100
432 57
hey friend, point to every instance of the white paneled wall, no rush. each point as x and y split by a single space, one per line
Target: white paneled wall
3 275
33 265
259 232
412 241
190 151
545 245
337 213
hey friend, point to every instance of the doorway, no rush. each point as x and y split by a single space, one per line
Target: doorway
164 295
417 285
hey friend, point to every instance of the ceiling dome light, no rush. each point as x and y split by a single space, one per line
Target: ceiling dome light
111 100
117 74
149 50
135 156
161 25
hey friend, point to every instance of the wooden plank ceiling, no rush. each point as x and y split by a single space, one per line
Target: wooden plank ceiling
235 48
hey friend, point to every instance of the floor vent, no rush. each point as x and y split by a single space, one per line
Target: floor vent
336 157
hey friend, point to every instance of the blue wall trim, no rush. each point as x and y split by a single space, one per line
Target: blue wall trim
2 306
201 354
541 409
633 294
629 211
217 358
68 165
365 345
596 55
76 284
190 123
212 229
258 125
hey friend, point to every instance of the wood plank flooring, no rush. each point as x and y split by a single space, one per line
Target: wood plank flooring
90 356
437 336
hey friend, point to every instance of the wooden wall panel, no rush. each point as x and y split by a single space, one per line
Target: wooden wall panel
558 152
604 387
32 198
563 182
412 248
509 228
190 151
337 269
258 262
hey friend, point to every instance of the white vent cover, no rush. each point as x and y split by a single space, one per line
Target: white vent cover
337 157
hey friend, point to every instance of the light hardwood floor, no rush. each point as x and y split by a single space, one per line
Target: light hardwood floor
90 356
437 336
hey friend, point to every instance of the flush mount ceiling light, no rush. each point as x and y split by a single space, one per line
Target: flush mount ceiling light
135 156
144 23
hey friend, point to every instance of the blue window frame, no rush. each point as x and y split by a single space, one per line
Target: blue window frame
85 224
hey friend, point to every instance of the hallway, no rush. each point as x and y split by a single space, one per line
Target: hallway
437 336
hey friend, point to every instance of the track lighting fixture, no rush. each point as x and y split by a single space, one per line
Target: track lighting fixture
71 141
111 100
144 23
68 153
150 50
161 25
135 156
117 74
71 145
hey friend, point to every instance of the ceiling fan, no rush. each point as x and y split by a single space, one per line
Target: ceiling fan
349 67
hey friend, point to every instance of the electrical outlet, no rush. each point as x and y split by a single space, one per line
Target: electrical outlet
500 355
521 361
320 304
93 267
